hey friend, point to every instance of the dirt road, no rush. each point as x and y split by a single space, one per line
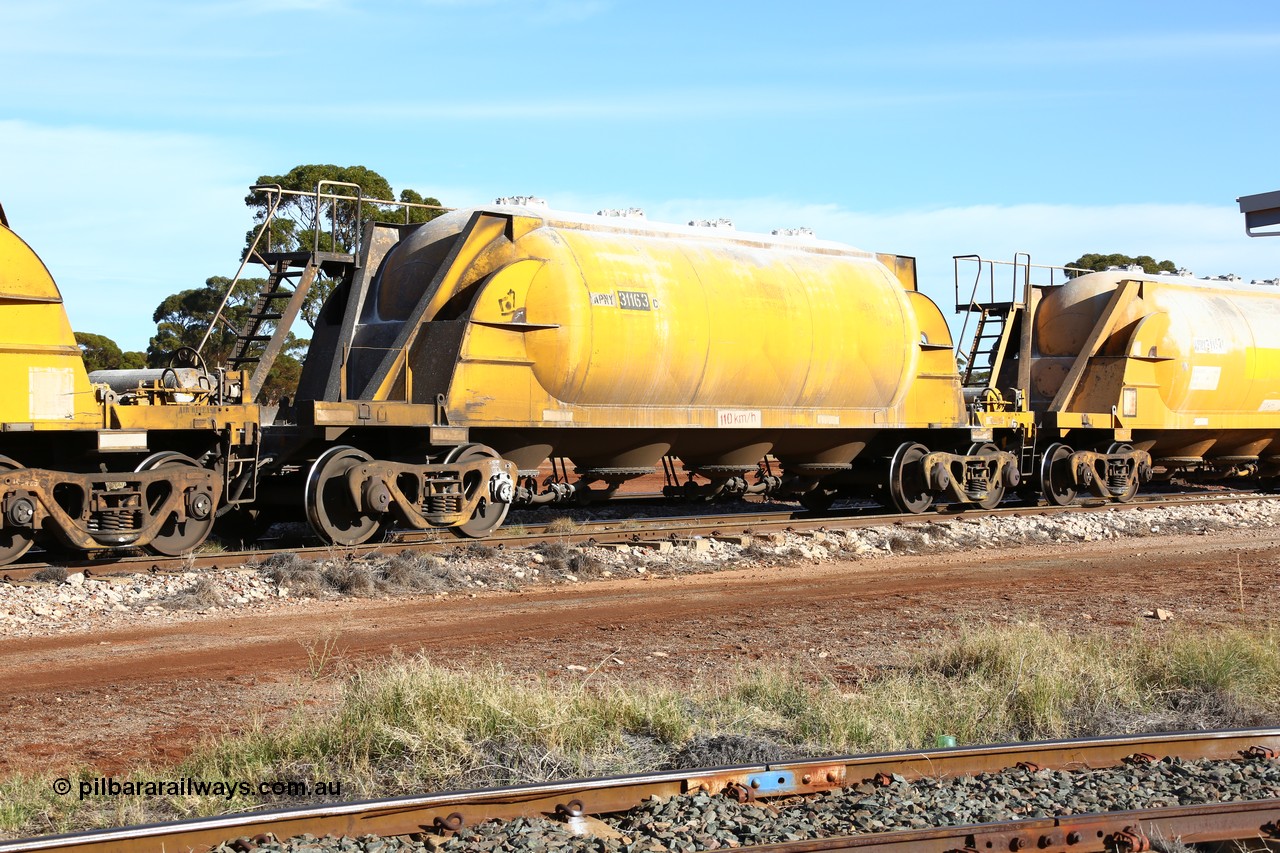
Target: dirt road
108 700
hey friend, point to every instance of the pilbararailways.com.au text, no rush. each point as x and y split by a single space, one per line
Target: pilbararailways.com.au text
105 786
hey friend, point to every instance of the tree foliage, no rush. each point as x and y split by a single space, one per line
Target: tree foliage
306 222
301 223
182 318
102 353
1098 263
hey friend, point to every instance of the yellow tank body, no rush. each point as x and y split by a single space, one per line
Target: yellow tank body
672 323
1190 366
636 324
560 322
42 377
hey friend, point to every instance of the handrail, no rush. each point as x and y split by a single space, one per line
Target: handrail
318 195
275 195
1021 268
333 213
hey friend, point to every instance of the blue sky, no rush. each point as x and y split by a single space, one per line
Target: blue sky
129 132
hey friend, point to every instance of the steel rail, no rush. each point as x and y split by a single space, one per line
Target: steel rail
630 531
446 812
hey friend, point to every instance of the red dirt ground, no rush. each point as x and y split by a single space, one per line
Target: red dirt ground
110 700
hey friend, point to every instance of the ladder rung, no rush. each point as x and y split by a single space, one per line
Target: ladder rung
265 316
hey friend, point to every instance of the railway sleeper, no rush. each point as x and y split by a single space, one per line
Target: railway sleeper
166 507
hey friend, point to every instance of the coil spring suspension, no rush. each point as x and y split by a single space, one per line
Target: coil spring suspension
978 483
117 520
121 514
443 503
1117 477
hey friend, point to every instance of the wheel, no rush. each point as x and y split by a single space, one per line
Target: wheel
907 488
330 509
175 537
14 542
489 514
995 490
1132 488
1055 474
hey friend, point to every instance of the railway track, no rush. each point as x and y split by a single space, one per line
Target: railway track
652 531
610 813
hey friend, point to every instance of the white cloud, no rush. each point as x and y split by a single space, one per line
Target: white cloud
1207 238
686 102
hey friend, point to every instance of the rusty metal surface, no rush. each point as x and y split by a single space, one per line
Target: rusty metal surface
449 811
108 495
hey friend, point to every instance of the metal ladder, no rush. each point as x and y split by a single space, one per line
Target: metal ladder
260 350
292 274
980 358
991 340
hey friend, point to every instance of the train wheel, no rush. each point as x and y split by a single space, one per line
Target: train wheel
175 537
1132 489
17 541
996 490
1055 474
333 515
907 488
489 514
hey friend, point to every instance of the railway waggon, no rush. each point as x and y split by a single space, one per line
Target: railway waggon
455 358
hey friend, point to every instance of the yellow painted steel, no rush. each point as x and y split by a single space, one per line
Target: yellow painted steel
1192 353
591 323
42 377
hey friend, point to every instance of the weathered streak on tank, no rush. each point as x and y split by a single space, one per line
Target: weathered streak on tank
713 324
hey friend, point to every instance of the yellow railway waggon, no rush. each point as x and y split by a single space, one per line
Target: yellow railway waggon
457 357
131 459
1177 375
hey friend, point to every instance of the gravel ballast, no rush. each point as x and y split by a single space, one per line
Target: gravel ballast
711 822
35 608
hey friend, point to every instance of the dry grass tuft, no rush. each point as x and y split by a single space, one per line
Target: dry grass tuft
204 594
563 524
51 574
